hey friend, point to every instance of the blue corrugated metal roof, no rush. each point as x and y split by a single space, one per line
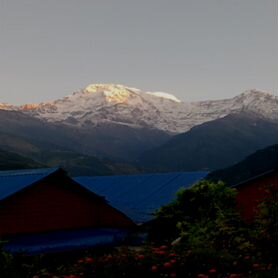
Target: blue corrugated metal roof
14 181
139 196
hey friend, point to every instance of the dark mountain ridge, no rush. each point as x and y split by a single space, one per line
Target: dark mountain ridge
13 161
121 143
258 163
213 145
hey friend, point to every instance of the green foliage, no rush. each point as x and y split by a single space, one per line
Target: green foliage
206 216
6 265
12 161
268 214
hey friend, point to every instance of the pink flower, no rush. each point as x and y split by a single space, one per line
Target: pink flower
140 257
173 261
109 258
163 247
81 261
256 266
160 252
89 260
212 271
167 265
202 276
154 268
173 255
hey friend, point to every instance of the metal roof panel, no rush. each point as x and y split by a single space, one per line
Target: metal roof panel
13 181
139 196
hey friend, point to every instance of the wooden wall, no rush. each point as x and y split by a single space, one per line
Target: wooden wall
56 204
251 194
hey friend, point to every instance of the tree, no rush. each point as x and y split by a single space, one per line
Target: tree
204 215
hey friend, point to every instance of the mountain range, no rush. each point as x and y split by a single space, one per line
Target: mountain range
121 129
110 104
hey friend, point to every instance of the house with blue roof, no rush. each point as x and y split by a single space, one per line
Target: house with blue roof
45 209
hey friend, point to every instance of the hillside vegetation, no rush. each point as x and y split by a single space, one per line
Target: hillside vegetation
12 161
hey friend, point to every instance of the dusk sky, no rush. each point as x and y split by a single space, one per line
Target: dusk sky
194 49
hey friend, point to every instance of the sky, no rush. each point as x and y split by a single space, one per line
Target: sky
194 49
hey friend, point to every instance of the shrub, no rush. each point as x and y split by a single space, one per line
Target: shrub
205 215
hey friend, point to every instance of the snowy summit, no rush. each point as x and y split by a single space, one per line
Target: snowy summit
102 104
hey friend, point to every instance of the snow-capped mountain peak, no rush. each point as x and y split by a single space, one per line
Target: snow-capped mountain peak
93 88
113 93
5 106
102 104
29 107
253 94
116 91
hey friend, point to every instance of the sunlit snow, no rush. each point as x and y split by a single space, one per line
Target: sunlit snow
123 105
